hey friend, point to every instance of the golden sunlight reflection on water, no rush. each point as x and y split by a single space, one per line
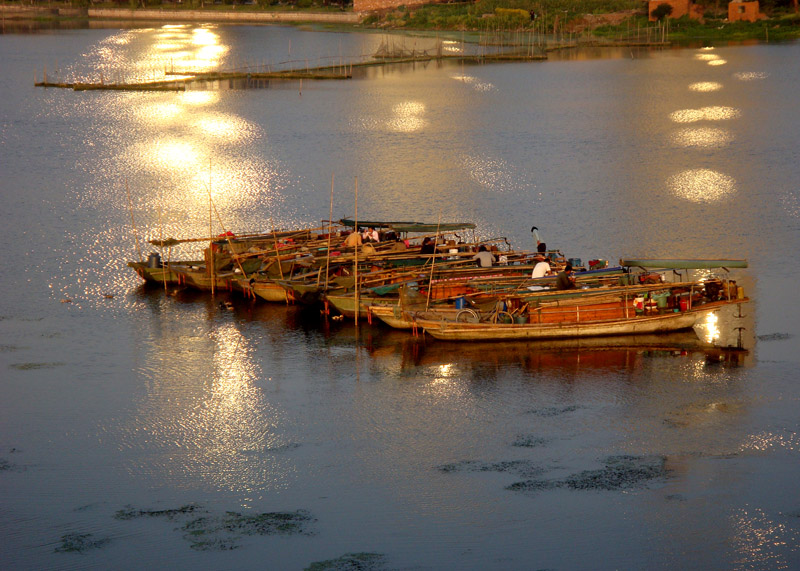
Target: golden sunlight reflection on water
473 82
200 97
706 56
195 151
768 441
151 55
211 420
705 86
705 137
708 328
408 117
226 127
711 113
452 46
492 173
702 185
750 75
758 540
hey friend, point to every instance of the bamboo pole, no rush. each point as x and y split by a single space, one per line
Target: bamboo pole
133 222
433 261
275 242
211 236
234 256
161 237
355 258
330 225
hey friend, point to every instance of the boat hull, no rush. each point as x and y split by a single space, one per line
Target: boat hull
637 325
153 275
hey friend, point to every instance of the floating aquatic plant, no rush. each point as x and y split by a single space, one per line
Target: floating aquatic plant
34 366
351 562
80 542
519 467
619 473
131 513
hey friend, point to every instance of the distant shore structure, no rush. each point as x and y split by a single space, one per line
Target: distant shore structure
117 14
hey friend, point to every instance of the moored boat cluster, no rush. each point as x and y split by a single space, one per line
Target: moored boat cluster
429 277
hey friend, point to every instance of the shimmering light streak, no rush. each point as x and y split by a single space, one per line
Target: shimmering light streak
198 98
494 174
715 113
167 46
759 542
707 328
175 155
702 185
159 112
408 117
706 57
705 86
204 37
718 62
767 441
750 75
705 137
474 82
227 127
452 46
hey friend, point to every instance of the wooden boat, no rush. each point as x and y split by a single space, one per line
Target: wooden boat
628 312
402 227
592 326
686 264
266 289
453 289
156 275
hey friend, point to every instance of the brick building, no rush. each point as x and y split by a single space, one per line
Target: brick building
744 11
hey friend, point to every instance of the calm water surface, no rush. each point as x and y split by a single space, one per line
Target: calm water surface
144 430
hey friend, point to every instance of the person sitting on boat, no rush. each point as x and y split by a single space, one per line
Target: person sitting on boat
484 257
565 279
542 267
353 240
428 246
371 235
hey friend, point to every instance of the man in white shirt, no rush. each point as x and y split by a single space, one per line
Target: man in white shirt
542 267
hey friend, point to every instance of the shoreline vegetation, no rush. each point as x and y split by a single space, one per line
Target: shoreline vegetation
562 22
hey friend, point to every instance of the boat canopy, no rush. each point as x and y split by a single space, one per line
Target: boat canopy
677 264
420 227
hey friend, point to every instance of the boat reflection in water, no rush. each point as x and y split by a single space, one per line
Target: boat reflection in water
618 353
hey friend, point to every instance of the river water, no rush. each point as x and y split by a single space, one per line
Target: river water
139 429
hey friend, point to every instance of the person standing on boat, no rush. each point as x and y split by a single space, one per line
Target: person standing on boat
542 267
484 257
565 279
428 246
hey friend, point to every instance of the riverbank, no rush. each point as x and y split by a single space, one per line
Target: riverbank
231 15
621 22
